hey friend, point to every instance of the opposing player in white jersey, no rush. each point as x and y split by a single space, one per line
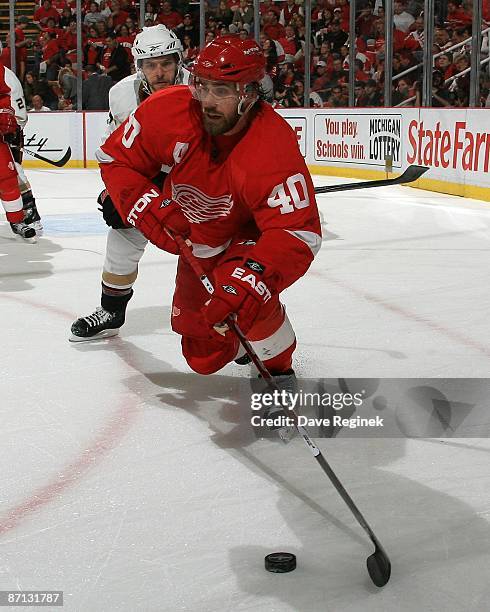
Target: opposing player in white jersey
157 53
11 87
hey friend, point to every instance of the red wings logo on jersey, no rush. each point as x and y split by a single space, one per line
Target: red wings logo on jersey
199 207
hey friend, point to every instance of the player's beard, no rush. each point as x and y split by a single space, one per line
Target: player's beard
217 123
160 85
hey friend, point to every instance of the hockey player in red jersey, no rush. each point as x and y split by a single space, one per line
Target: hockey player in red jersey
238 189
9 186
13 88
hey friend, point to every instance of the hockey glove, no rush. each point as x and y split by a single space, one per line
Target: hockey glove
241 286
8 122
153 215
109 212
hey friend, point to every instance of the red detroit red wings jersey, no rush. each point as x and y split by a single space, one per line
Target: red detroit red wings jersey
252 185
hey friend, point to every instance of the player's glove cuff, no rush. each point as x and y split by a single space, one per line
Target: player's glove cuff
153 216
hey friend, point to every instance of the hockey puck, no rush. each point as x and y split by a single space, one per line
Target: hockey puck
280 562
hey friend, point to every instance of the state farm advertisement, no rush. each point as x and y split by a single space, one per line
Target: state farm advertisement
359 138
454 143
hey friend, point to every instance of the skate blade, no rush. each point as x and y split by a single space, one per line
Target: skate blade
107 333
29 240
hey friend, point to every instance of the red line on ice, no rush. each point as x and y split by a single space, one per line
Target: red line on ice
108 437
374 299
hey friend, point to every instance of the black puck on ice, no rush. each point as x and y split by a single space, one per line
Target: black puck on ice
280 562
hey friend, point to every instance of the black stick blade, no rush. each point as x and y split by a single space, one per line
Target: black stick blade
59 164
379 567
411 174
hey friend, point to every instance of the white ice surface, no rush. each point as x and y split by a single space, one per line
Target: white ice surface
134 485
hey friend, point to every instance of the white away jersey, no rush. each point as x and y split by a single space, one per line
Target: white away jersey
17 100
124 99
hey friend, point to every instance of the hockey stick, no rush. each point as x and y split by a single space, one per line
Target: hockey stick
59 164
412 173
378 563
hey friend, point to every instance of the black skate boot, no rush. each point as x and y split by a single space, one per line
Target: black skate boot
31 214
100 324
24 231
105 321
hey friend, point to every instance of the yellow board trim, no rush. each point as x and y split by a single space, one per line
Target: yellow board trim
458 189
37 163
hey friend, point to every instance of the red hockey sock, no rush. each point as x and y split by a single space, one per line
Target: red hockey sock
15 217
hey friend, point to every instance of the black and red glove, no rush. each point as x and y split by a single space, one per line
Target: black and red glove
153 215
241 286
8 122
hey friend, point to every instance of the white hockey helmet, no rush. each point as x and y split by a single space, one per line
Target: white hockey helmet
156 41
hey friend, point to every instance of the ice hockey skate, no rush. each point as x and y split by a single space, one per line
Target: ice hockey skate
285 382
27 233
31 215
99 325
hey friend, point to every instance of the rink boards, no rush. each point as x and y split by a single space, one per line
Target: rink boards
360 143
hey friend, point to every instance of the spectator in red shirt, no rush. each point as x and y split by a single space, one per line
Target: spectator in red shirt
169 17
51 27
190 49
320 77
60 5
21 44
399 38
50 55
94 46
445 65
365 22
338 16
126 40
456 15
287 12
118 16
272 28
268 5
5 57
360 75
290 43
46 11
68 42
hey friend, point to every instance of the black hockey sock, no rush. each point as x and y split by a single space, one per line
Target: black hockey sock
29 206
115 300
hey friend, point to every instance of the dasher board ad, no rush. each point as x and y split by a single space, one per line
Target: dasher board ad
359 138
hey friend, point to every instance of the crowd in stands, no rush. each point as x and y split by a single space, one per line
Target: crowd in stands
46 63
